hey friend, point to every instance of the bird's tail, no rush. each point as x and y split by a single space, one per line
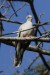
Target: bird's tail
18 55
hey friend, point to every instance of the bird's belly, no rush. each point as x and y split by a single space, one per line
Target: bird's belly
26 33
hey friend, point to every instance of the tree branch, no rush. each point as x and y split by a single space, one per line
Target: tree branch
13 8
36 25
34 49
30 48
8 20
17 10
25 39
3 4
33 62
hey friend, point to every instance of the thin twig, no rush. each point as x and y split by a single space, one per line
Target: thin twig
6 10
44 34
11 21
37 24
3 4
18 10
13 8
33 62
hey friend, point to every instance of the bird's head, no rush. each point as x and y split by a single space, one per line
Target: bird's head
29 17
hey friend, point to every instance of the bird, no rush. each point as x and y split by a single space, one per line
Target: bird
20 48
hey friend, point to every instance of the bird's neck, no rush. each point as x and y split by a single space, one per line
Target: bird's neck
29 20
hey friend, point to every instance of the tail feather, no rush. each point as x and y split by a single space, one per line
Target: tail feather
18 59
17 62
18 55
20 48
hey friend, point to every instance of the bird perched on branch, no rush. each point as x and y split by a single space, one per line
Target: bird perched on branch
21 46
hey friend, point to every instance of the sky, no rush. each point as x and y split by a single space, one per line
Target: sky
7 52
